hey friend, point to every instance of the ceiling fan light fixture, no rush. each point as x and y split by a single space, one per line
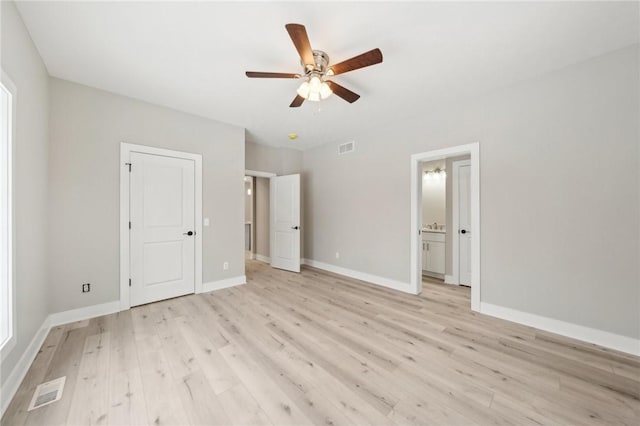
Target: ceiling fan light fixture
304 90
314 96
325 90
314 89
315 83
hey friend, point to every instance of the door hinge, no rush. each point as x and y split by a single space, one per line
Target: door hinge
128 164
129 282
129 224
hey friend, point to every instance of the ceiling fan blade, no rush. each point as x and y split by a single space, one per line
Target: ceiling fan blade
343 92
300 39
297 101
257 74
366 59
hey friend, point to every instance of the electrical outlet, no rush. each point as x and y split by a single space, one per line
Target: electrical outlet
86 287
225 266
337 255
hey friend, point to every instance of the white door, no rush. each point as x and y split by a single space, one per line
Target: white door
162 231
464 223
285 222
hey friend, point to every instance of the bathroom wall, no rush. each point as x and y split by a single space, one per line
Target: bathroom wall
433 194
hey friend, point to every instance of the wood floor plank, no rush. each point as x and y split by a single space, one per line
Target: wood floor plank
163 403
242 408
17 410
320 348
89 405
127 405
279 407
65 362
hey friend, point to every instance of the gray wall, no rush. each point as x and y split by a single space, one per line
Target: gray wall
87 127
281 161
559 193
22 63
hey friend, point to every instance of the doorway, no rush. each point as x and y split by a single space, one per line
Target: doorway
160 224
272 219
257 236
470 239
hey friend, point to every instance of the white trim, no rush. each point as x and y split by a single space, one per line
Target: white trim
261 258
363 276
256 173
455 218
226 283
82 314
12 383
473 149
17 375
7 346
591 335
125 150
450 279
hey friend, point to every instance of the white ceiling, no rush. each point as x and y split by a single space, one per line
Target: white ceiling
192 56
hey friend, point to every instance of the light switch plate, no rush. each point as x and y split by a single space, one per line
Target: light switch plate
206 221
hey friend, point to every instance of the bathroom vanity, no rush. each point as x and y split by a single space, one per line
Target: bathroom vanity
433 252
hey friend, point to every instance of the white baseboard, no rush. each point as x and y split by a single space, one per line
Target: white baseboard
262 258
374 279
83 313
450 279
599 337
10 386
228 282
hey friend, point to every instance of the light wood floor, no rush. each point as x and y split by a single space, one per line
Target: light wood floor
316 348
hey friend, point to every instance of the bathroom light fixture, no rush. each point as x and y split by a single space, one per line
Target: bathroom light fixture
314 89
436 173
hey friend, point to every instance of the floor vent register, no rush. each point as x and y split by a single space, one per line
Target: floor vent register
47 393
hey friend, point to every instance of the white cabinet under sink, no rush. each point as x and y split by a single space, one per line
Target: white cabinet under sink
433 253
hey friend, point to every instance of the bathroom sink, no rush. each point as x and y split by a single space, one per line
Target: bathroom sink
438 231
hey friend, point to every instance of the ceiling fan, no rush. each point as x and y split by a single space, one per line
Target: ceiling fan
316 69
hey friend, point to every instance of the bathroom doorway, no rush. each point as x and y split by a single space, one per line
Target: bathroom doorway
445 222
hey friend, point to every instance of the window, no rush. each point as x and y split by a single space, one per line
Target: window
6 281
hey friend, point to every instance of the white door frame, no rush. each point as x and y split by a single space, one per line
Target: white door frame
473 149
455 215
125 150
256 173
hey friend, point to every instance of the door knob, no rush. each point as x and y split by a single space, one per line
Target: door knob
295 227
190 233
463 231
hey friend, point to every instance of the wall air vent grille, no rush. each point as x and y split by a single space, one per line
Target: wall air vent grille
347 147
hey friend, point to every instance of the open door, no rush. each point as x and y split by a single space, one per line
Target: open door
285 222
462 204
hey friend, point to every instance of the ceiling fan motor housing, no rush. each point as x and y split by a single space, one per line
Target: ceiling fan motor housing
321 60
